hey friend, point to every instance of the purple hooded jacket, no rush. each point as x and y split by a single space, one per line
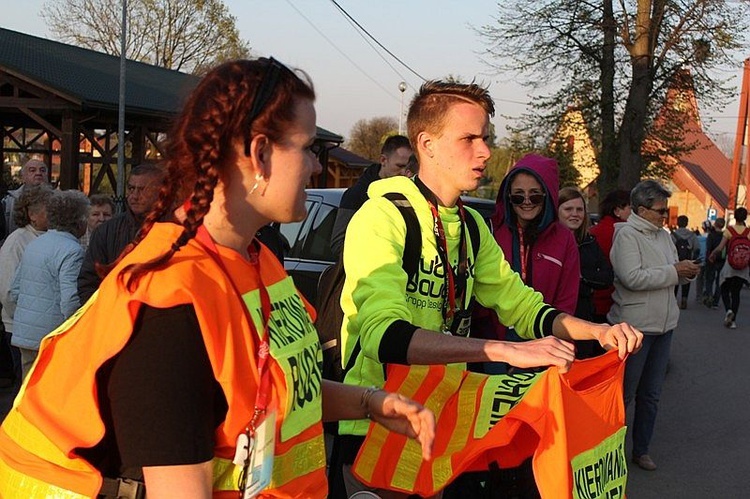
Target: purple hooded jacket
553 260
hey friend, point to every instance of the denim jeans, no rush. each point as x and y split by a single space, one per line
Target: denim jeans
712 289
644 377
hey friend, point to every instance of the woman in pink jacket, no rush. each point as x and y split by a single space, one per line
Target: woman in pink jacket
535 243
544 252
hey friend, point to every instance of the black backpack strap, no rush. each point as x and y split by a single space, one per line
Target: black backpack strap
410 258
473 228
413 242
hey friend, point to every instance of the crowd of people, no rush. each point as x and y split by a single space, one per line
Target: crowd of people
166 349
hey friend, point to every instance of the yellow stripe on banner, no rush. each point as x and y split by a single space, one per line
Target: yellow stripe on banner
500 394
29 437
376 441
442 469
411 457
16 484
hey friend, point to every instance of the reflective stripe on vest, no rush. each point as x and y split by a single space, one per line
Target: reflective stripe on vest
572 425
39 437
73 477
19 485
305 458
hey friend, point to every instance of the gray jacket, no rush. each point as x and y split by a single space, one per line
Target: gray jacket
9 202
44 287
643 258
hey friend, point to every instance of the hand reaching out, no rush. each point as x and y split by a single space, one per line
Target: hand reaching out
624 337
404 416
549 351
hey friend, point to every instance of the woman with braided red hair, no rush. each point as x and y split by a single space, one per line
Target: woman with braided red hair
195 368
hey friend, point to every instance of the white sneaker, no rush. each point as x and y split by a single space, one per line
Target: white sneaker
728 318
732 325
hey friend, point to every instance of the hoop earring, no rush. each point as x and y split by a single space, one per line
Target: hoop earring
258 178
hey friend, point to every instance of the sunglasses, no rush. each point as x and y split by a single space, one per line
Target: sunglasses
518 199
263 95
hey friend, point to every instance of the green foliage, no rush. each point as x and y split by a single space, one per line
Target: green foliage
368 135
560 51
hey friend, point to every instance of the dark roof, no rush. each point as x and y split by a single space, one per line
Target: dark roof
91 78
349 158
328 136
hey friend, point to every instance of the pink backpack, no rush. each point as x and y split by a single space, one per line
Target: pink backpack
738 249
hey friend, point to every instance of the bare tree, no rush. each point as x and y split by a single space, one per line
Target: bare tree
615 61
368 135
185 35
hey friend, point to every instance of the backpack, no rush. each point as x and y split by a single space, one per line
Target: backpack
738 249
331 282
683 248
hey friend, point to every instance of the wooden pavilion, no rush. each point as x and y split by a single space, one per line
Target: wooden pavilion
59 103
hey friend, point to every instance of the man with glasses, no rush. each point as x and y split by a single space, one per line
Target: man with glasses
646 271
111 237
394 318
33 172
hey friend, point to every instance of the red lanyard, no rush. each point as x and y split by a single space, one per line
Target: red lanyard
454 291
522 254
264 389
442 245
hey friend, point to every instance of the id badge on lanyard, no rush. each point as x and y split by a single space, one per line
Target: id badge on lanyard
255 454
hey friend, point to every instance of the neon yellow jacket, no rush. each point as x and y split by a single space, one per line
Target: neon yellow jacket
376 301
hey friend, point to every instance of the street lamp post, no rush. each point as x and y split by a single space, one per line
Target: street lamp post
402 89
120 194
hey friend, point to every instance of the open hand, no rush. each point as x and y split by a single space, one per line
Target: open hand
404 416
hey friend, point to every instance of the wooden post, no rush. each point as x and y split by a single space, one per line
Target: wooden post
69 152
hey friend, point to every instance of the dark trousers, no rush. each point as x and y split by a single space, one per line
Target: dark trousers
10 357
730 293
712 289
644 376
685 289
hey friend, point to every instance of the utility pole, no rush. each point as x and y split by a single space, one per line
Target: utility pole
120 194
402 89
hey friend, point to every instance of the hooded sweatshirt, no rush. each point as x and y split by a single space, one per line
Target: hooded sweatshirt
553 262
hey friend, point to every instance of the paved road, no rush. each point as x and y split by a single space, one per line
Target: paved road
702 437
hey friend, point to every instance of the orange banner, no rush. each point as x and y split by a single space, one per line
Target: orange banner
572 424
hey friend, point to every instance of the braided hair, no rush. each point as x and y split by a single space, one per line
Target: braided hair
200 149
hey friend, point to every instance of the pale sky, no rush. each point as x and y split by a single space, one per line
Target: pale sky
434 37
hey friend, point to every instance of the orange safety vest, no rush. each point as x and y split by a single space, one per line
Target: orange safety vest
57 410
572 424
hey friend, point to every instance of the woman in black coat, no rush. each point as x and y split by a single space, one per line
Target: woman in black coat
596 272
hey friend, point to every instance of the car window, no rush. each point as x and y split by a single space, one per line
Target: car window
318 241
295 232
485 207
